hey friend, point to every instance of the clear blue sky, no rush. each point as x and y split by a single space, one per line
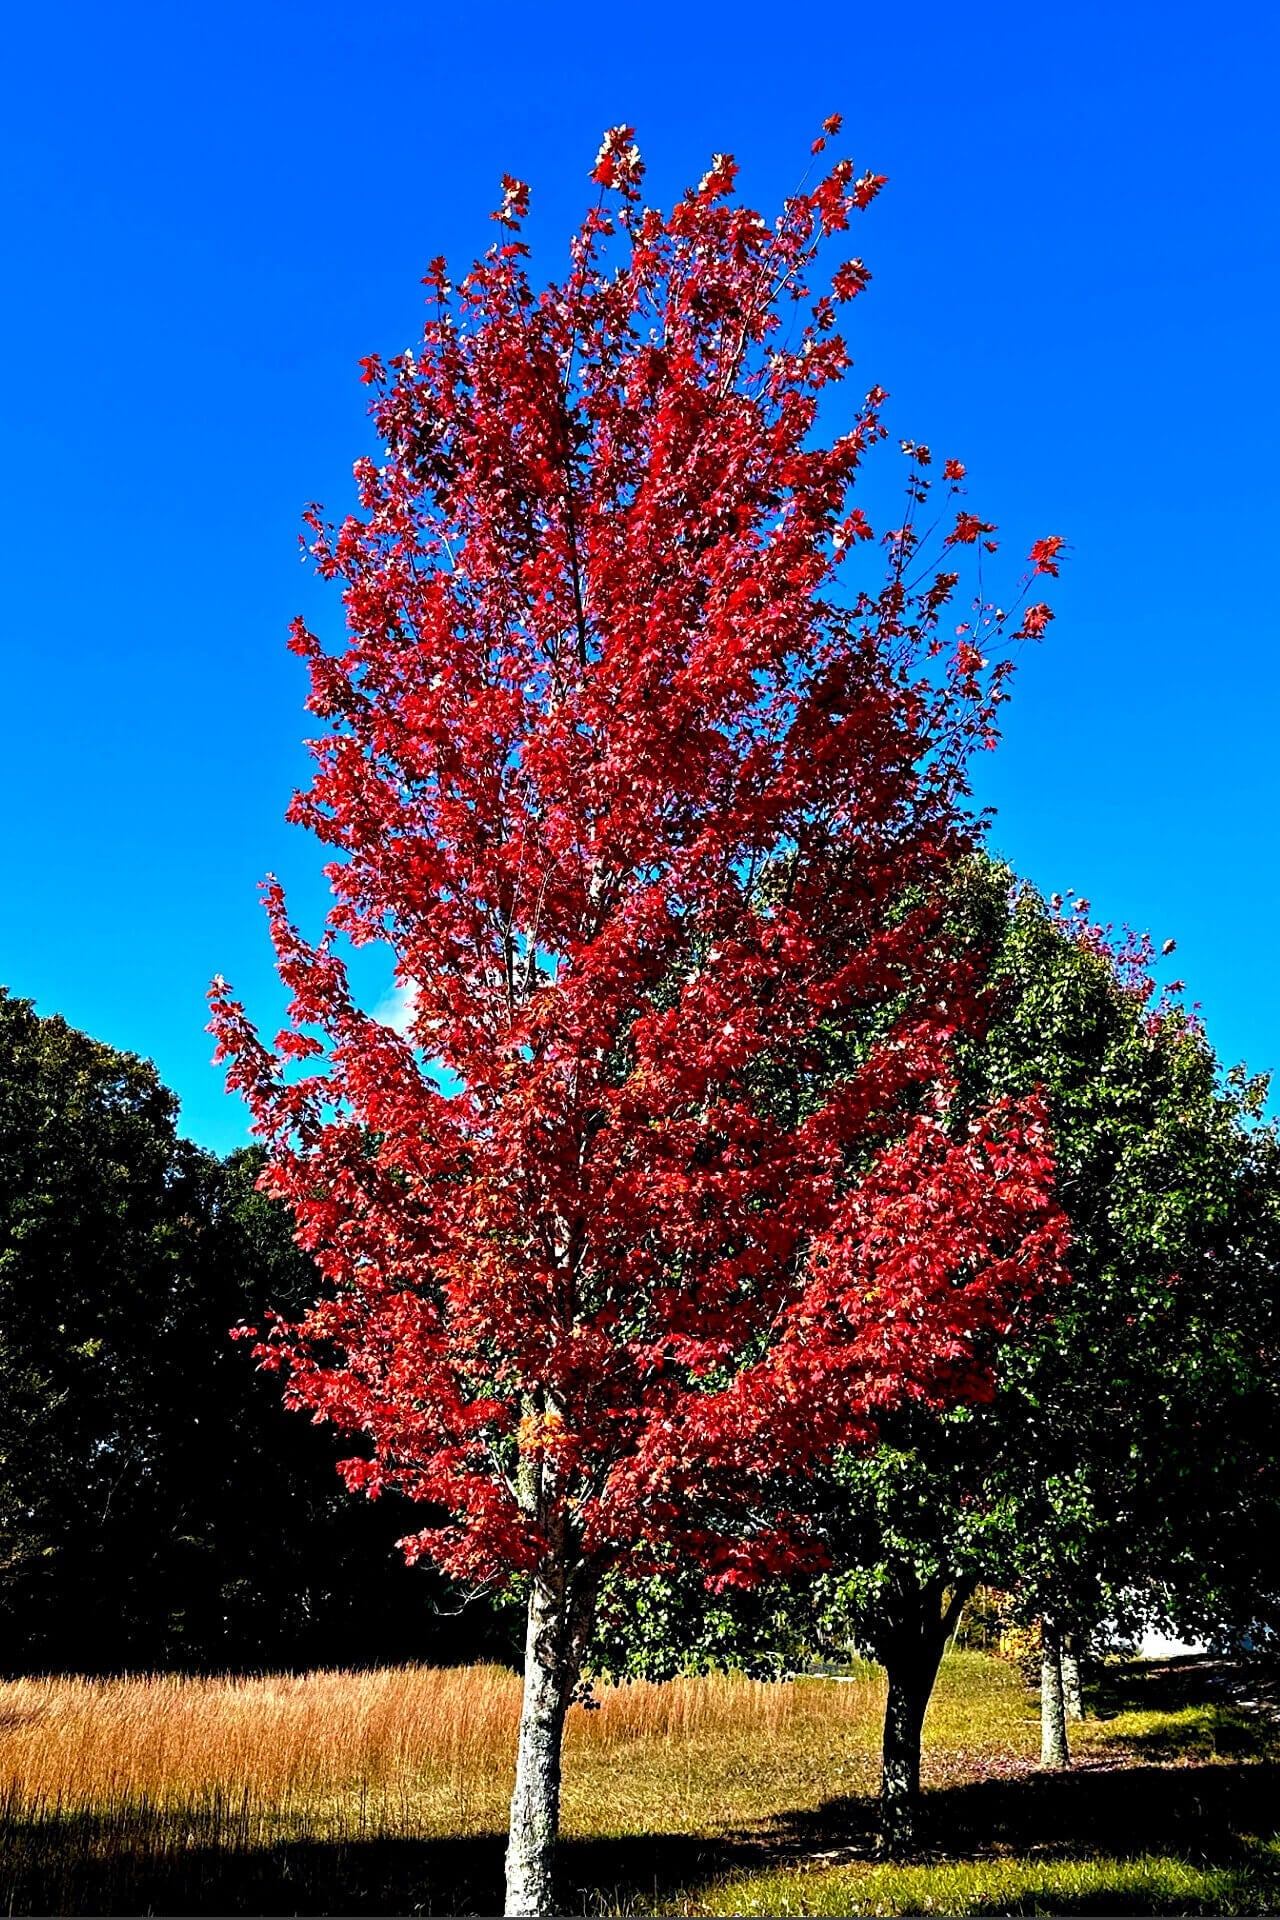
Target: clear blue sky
211 213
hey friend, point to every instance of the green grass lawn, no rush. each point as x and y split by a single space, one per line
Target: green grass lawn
1149 1883
1170 1808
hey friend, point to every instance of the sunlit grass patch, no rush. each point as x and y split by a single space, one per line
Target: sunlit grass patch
708 1755
1150 1884
1203 1730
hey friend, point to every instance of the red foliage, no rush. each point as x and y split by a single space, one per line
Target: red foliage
1044 553
651 810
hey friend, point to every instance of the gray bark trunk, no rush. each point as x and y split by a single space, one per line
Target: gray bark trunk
559 1622
1053 1714
1073 1648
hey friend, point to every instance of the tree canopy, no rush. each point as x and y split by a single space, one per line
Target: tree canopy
588 1286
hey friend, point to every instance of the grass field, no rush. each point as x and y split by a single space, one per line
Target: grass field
386 1793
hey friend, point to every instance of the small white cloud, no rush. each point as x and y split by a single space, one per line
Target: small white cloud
397 1008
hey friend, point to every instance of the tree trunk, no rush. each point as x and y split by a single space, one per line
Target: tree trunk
559 1621
1073 1647
1053 1716
912 1655
910 1684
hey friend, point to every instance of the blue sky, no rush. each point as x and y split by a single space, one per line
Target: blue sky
211 214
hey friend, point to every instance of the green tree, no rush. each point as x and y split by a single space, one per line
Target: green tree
1125 1463
158 1506
88 1161
1124 1467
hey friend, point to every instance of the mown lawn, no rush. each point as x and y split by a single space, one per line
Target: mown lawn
385 1793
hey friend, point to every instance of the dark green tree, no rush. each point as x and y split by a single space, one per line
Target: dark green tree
1126 1462
158 1507
1125 1467
88 1166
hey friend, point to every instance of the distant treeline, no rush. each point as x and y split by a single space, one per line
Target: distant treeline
158 1505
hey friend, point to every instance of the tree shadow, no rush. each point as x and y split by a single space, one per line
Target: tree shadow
1209 1815
135 1860
1213 1814
84 1863
139 1863
1169 1686
1216 1707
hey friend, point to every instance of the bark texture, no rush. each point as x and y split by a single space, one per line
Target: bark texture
1053 1707
909 1690
1073 1651
558 1624
925 1618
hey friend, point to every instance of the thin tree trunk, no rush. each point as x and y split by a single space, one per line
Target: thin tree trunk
558 1624
1053 1715
1073 1647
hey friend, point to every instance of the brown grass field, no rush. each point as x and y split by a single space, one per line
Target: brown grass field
386 1792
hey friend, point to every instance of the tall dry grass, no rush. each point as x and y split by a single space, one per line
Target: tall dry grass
324 1752
427 1750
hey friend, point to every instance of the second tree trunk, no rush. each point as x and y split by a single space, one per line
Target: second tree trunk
1073 1646
1053 1706
910 1684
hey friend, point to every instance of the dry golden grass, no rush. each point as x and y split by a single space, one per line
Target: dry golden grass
430 1751
379 1790
320 1752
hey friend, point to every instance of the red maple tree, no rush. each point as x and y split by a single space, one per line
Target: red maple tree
648 806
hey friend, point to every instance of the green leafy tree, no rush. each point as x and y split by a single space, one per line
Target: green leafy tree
87 1161
24 1524
1125 1464
158 1507
1124 1468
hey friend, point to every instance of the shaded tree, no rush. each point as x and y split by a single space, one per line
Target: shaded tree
88 1165
1126 1463
157 1508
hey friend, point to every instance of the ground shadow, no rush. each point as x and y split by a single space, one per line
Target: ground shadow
1210 1815
1235 1707
81 1865
78 1864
